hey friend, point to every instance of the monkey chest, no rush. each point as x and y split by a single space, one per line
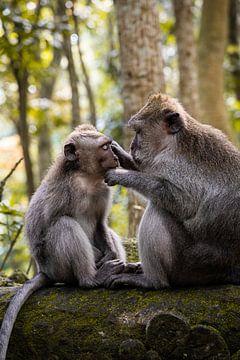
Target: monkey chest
89 214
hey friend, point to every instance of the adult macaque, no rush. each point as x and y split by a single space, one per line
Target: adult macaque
66 223
190 175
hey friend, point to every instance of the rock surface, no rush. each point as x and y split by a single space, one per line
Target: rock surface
69 323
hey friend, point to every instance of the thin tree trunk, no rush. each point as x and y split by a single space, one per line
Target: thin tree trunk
141 67
86 79
22 126
44 137
187 56
76 120
44 149
213 36
234 41
113 69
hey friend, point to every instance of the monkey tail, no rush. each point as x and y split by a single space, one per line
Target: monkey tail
15 305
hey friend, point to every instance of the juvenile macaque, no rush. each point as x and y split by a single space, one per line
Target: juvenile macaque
190 175
66 223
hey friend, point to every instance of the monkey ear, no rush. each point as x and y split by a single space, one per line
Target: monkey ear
70 151
174 122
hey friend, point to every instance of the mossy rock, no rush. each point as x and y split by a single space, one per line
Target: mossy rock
70 323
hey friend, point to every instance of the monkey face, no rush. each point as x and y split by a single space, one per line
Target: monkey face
107 159
88 151
155 126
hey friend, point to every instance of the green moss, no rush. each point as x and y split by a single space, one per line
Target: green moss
67 323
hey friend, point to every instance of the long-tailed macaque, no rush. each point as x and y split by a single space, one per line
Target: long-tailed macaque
190 174
66 223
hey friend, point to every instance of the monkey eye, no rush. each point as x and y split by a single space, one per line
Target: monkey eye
105 147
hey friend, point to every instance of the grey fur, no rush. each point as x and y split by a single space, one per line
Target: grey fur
190 174
66 223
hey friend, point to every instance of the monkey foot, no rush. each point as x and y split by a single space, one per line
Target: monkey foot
127 280
109 268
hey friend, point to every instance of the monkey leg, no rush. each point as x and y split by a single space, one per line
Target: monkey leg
202 264
115 249
72 255
155 245
73 258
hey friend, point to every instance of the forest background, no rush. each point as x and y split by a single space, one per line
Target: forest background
63 63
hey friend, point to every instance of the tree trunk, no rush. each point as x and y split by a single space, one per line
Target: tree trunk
187 56
76 120
44 138
234 41
71 323
22 127
73 82
213 35
141 66
86 79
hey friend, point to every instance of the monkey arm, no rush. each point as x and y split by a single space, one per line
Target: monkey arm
125 159
158 190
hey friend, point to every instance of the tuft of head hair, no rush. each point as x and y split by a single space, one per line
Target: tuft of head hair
165 102
85 130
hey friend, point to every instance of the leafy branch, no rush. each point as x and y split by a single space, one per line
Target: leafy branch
3 182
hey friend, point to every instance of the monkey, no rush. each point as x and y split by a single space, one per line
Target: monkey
66 222
189 173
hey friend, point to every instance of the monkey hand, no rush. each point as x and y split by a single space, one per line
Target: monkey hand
118 150
109 268
125 159
110 255
113 177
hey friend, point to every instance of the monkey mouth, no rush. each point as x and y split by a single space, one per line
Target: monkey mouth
117 164
114 166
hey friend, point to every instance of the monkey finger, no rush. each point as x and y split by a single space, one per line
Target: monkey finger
109 268
109 180
115 146
109 256
133 268
115 266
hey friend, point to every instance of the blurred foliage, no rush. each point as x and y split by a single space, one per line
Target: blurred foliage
29 33
11 226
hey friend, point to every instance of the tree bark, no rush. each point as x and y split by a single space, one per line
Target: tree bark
86 78
141 67
213 36
70 323
187 56
73 78
44 137
21 76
